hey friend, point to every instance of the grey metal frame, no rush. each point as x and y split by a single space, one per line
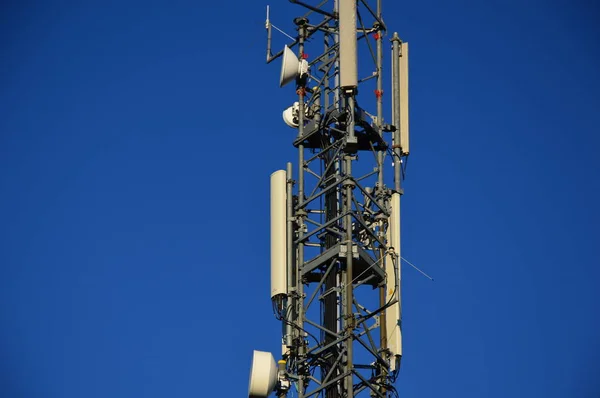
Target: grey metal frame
336 221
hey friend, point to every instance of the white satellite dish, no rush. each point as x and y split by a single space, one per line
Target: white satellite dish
263 375
291 67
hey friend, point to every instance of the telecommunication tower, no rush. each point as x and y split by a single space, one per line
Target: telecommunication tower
335 218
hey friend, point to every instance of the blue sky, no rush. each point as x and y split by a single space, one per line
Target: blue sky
137 140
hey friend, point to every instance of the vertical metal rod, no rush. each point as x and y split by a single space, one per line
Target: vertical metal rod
338 105
396 109
349 299
337 391
300 218
380 94
336 79
381 253
330 302
268 26
330 305
380 153
326 82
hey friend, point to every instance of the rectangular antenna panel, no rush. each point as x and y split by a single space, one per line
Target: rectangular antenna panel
403 74
348 57
393 272
278 233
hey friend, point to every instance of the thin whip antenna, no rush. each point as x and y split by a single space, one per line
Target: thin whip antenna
417 268
268 23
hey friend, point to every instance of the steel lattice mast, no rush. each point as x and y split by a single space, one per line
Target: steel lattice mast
335 220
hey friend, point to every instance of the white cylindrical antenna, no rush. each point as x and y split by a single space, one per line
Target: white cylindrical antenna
393 285
348 58
278 233
267 20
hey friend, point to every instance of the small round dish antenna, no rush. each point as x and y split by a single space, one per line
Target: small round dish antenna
290 115
263 375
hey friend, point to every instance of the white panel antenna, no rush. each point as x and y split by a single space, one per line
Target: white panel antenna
394 278
348 56
403 78
278 233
